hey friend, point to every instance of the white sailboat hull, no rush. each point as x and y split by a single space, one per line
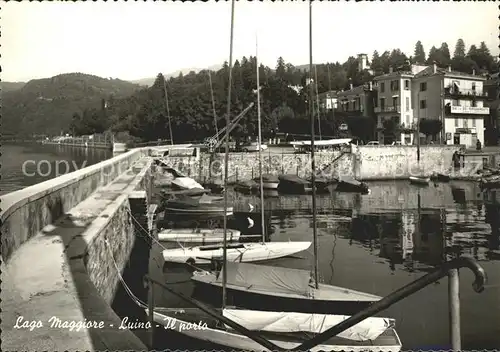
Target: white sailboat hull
172 319
244 252
198 235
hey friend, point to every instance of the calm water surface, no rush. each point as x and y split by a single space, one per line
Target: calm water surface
380 242
42 162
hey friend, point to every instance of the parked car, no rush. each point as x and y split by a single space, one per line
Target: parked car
373 143
343 127
252 147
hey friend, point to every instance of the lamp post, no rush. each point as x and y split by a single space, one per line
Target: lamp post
418 126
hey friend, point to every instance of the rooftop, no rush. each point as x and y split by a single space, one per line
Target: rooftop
429 71
394 75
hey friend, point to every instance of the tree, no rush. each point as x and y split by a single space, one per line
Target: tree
484 59
459 49
361 127
430 127
445 55
419 53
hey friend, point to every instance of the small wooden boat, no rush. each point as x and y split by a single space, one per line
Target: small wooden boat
246 187
196 206
286 330
201 236
438 177
242 252
422 181
351 185
271 288
215 186
293 184
269 181
195 192
321 184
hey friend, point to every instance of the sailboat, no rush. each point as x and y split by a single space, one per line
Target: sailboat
271 288
275 288
286 330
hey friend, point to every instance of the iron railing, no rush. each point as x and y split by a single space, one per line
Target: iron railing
446 269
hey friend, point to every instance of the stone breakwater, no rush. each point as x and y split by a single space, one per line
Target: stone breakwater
362 163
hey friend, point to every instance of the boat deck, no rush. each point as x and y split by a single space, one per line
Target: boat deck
195 315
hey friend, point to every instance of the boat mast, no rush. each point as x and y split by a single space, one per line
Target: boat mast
226 160
168 110
317 101
313 164
260 143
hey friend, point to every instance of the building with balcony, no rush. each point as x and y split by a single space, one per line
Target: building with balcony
328 100
492 124
394 106
456 99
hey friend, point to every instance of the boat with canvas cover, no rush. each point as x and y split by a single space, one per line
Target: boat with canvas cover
272 288
194 206
284 329
349 184
246 187
293 184
269 181
236 252
198 235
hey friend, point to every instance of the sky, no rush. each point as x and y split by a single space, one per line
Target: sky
134 40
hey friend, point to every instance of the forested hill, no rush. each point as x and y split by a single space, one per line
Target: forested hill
10 86
46 106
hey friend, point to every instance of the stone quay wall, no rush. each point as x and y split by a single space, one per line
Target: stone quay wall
65 243
362 163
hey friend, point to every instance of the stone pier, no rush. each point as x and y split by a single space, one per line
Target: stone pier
66 245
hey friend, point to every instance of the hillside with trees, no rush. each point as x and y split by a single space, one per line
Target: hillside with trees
195 99
46 106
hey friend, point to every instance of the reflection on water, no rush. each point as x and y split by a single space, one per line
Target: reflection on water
24 165
380 242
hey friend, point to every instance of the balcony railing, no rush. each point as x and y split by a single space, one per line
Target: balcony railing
464 92
388 109
469 110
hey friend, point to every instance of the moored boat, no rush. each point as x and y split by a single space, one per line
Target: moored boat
181 181
351 185
194 206
269 181
272 288
422 181
293 184
284 329
246 187
439 177
198 235
242 252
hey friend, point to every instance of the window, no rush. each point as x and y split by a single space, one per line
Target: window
407 84
394 85
473 85
456 122
382 104
407 104
382 87
395 102
423 86
473 122
423 104
466 123
454 102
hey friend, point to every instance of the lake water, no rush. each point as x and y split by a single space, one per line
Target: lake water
380 242
24 165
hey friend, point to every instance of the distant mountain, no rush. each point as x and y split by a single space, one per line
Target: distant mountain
149 81
46 106
10 86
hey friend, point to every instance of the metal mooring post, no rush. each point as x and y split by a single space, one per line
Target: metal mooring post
151 303
454 309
